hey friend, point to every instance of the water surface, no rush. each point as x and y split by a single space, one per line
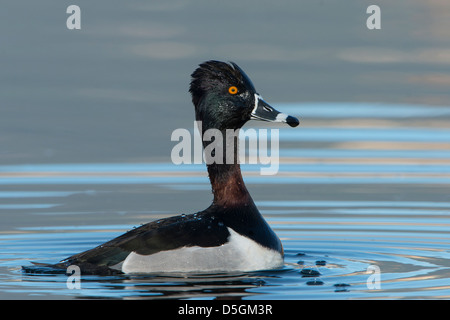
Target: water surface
342 211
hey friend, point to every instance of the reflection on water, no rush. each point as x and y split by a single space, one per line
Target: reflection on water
346 200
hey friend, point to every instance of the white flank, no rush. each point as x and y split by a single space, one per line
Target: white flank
238 254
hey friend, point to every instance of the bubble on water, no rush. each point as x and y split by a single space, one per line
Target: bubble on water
321 263
309 272
314 283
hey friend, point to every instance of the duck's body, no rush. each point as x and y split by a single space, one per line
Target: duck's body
217 239
230 235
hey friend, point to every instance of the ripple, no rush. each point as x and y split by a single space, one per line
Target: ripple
349 200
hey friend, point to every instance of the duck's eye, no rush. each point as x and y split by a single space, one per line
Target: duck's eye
232 90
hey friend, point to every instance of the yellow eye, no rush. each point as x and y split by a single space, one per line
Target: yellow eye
232 90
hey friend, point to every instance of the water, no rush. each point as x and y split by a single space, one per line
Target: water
363 189
342 213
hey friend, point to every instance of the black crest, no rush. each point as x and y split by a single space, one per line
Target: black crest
216 74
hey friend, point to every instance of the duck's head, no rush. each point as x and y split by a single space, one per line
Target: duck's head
225 98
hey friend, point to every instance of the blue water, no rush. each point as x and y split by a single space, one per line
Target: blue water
342 213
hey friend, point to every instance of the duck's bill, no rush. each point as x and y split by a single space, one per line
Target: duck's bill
263 111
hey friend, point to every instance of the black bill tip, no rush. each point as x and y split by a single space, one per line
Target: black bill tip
292 121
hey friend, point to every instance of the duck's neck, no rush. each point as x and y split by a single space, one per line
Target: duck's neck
227 185
225 172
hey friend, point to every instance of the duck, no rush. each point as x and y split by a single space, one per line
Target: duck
230 235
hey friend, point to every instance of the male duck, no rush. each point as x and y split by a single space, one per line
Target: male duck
230 235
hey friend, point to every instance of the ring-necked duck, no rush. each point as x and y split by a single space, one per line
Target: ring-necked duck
230 235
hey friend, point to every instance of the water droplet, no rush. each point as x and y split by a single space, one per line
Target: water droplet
321 263
309 273
314 283
340 285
